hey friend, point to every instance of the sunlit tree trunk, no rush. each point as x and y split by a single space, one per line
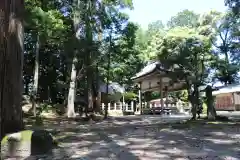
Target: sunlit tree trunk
195 102
72 92
192 100
11 65
72 86
36 76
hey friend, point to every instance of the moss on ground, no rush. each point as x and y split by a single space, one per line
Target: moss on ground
26 136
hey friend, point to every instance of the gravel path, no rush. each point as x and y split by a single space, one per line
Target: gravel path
146 138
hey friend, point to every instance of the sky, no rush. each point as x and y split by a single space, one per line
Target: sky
146 11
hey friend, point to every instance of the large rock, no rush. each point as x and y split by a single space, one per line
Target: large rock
26 143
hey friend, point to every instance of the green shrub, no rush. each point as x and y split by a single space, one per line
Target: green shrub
129 96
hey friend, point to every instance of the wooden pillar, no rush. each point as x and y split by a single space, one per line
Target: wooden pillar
140 96
161 94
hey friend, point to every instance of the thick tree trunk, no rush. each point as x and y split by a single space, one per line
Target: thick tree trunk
71 93
98 96
194 107
192 100
195 102
89 53
36 73
11 65
89 86
211 112
72 86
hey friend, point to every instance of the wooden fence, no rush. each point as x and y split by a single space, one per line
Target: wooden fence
135 107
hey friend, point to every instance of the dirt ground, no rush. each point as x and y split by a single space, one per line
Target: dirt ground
146 138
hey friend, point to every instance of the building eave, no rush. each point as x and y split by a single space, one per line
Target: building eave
155 69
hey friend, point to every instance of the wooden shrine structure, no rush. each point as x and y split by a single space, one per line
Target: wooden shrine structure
227 98
154 77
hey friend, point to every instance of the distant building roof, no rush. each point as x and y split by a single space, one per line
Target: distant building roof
149 68
228 89
113 88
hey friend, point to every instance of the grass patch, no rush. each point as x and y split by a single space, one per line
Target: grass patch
26 136
191 124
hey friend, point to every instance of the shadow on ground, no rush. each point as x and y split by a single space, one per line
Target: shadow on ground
123 139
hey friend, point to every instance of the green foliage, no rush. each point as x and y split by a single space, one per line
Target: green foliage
125 60
182 95
154 28
234 5
186 51
185 18
56 24
187 46
153 47
24 136
130 96
222 28
154 95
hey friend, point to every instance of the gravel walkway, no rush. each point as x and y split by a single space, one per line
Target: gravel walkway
137 139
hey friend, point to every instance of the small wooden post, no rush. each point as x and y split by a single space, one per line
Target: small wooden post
140 97
132 106
109 106
103 106
126 107
166 91
154 108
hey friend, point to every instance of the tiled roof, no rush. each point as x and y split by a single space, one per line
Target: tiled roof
113 88
228 89
147 69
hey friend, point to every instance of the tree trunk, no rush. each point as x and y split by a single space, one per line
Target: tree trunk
11 65
36 76
90 85
192 100
89 53
211 112
72 86
71 93
195 102
108 73
98 97
27 82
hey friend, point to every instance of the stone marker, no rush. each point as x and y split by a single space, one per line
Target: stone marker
26 143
